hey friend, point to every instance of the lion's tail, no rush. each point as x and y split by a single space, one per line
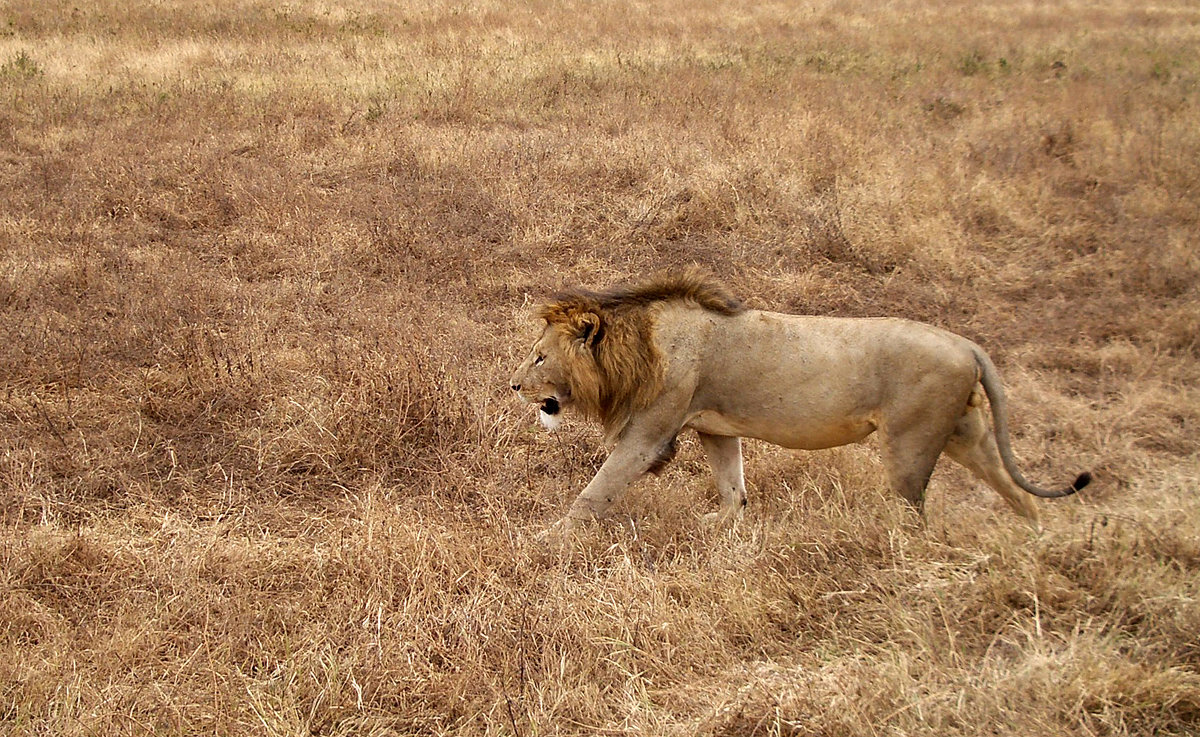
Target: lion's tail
990 378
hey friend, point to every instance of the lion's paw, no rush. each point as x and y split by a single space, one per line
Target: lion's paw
559 532
722 520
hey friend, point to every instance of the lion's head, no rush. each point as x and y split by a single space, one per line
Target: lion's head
597 353
560 370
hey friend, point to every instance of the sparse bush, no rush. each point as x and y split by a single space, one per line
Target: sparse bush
21 66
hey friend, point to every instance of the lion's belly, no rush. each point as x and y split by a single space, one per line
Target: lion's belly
784 429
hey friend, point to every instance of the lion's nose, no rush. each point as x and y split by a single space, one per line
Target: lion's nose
515 387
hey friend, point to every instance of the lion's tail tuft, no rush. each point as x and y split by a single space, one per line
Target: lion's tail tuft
1081 481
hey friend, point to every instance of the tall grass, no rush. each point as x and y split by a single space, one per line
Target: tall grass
264 271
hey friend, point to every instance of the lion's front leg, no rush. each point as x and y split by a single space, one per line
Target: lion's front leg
629 460
635 454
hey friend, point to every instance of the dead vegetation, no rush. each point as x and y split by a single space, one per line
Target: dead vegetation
264 270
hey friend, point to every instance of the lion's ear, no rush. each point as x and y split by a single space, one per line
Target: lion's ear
588 328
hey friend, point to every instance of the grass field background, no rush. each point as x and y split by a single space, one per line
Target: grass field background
265 269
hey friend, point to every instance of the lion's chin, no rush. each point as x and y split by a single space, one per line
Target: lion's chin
550 413
549 421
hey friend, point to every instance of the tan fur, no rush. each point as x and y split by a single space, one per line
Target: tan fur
678 352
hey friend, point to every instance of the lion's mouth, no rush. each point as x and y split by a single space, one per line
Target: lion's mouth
551 406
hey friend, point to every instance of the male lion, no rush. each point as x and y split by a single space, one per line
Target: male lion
652 359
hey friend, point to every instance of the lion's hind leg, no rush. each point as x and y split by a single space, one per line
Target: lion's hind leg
725 459
973 446
910 446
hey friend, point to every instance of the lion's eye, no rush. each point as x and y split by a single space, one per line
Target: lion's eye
539 361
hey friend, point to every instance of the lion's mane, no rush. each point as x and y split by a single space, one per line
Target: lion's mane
606 346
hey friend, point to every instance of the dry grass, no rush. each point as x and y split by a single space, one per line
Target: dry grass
264 270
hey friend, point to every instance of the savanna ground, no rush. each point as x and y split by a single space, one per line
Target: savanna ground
265 269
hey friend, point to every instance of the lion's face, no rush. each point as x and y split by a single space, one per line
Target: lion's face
561 370
542 379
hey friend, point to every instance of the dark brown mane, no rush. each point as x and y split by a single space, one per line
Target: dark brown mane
691 285
605 340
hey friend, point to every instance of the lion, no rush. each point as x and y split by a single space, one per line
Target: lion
679 352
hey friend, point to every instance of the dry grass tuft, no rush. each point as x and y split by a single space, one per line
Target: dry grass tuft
265 269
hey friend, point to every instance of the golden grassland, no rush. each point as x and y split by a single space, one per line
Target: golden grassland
265 269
